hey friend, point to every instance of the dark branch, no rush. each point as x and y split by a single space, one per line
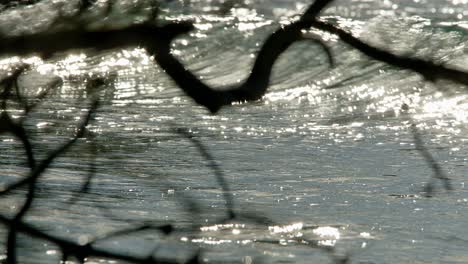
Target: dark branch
255 86
428 69
31 180
80 251
46 44
40 168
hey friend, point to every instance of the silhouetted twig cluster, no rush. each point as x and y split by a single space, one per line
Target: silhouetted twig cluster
12 92
156 39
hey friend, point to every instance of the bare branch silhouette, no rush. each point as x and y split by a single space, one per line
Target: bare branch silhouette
220 178
48 43
31 180
7 125
255 86
428 69
43 165
80 251
157 40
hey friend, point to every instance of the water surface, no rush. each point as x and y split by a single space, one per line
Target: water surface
328 155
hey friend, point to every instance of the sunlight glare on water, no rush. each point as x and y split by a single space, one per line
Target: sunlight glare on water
327 154
328 235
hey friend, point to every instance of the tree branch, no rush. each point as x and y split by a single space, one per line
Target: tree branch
78 250
428 69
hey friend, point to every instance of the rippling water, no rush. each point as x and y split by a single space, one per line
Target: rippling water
328 154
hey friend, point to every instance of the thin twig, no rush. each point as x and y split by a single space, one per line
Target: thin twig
203 150
431 162
78 250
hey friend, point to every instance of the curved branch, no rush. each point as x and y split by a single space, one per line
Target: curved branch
8 125
43 165
324 46
205 153
431 162
428 69
253 88
31 180
79 250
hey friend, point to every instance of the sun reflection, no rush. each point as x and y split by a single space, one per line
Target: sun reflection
365 235
52 252
223 227
456 106
7 63
212 241
330 235
79 64
285 229
215 240
309 91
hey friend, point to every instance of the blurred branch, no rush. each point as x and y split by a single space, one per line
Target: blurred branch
39 169
214 166
48 43
220 178
157 40
432 163
78 250
255 86
428 69
16 128
31 180
7 125
90 174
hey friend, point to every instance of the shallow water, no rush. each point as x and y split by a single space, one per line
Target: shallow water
327 156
